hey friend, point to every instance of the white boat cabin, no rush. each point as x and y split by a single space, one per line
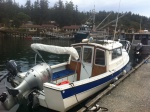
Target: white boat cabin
94 59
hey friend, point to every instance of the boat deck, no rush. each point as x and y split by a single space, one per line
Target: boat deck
131 95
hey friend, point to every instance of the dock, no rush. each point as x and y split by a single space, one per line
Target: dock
25 35
131 93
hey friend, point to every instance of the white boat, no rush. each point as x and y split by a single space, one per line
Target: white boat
91 67
37 38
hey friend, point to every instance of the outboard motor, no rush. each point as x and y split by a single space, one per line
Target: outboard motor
138 52
13 70
12 67
34 79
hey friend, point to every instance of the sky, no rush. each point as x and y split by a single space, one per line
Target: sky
141 7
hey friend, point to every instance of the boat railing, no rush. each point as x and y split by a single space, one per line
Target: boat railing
126 45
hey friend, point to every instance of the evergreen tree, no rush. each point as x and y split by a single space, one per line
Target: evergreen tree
64 14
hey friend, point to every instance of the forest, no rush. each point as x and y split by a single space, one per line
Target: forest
64 14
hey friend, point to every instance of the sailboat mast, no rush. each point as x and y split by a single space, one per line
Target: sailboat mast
140 23
93 19
116 22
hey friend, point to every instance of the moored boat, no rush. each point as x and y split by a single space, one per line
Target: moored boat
92 65
37 38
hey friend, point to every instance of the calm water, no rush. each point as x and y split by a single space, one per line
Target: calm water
20 51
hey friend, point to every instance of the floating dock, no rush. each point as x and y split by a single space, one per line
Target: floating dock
129 95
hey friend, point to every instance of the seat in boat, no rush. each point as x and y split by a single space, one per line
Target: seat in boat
62 73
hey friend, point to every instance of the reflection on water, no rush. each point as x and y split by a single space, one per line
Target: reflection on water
19 50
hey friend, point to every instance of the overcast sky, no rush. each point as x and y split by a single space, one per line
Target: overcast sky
141 7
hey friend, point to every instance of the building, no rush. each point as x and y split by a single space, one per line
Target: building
30 28
72 28
49 27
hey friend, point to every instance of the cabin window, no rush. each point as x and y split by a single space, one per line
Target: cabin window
148 37
100 57
79 52
129 37
116 53
140 37
137 37
87 55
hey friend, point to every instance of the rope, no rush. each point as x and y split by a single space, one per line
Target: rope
72 85
96 108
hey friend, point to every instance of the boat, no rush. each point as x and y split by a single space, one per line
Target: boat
88 30
37 38
92 65
28 37
139 38
83 33
85 29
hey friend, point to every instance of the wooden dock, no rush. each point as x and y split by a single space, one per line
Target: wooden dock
129 95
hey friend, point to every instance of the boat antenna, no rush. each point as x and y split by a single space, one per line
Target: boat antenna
140 23
94 18
112 21
117 21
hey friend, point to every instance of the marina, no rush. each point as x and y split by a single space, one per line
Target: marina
66 57
75 107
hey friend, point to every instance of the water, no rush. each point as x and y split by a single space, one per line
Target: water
19 50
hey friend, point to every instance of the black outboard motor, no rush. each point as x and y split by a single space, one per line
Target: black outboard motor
13 69
138 52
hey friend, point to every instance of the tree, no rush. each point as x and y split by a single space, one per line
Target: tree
19 19
63 14
43 11
58 13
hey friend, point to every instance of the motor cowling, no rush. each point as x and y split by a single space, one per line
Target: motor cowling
34 79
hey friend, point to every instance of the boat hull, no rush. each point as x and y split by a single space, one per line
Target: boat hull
66 98
80 36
